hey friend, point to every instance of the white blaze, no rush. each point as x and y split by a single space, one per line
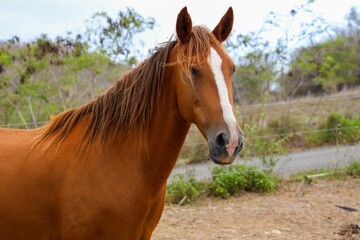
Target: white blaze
215 62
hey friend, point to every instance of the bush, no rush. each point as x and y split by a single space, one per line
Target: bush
181 189
354 169
227 182
337 129
236 178
258 181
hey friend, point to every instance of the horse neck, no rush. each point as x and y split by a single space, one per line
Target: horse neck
166 134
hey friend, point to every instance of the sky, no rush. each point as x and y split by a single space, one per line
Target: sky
28 19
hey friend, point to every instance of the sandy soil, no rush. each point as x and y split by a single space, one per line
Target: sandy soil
295 211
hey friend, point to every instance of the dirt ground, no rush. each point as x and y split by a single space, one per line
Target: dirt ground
296 211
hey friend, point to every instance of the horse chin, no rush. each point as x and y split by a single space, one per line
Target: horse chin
220 157
225 161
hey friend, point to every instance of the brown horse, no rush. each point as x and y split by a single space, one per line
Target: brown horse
99 171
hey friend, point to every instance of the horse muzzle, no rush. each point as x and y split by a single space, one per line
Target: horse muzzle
224 149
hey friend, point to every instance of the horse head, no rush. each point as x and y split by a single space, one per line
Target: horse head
204 91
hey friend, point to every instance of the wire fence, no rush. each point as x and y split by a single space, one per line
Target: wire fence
304 100
339 129
285 134
253 106
276 107
26 125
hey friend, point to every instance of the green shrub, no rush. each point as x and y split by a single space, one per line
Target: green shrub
354 169
337 129
227 182
236 178
258 181
182 189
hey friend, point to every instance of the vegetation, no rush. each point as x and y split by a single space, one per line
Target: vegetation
182 189
115 37
337 129
225 182
354 169
46 76
320 60
329 66
272 131
43 77
237 179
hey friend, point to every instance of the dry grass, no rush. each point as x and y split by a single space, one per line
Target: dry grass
299 118
307 109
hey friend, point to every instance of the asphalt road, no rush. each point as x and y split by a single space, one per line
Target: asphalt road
319 158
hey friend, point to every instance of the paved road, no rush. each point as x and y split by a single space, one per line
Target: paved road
320 158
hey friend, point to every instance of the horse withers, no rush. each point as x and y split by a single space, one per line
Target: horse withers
99 171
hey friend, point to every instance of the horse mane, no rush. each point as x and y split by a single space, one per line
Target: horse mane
129 105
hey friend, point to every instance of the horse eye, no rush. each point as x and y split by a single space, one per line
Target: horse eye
194 71
233 70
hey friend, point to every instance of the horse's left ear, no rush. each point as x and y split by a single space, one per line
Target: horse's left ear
224 27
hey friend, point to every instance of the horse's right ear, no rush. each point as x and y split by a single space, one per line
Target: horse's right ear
183 26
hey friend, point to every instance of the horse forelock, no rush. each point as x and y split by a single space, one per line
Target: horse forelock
129 105
197 50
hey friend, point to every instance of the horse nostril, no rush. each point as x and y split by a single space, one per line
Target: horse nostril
240 147
221 140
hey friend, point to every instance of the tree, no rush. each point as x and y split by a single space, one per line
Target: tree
263 61
328 66
44 77
115 36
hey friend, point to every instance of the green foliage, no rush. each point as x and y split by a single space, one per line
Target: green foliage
5 60
339 173
45 77
354 169
314 60
182 189
256 68
337 129
264 145
252 78
115 36
328 65
310 177
227 182
263 63
236 178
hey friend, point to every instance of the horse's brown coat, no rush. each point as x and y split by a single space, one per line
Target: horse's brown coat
99 171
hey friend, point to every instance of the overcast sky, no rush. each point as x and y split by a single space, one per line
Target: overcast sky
29 18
